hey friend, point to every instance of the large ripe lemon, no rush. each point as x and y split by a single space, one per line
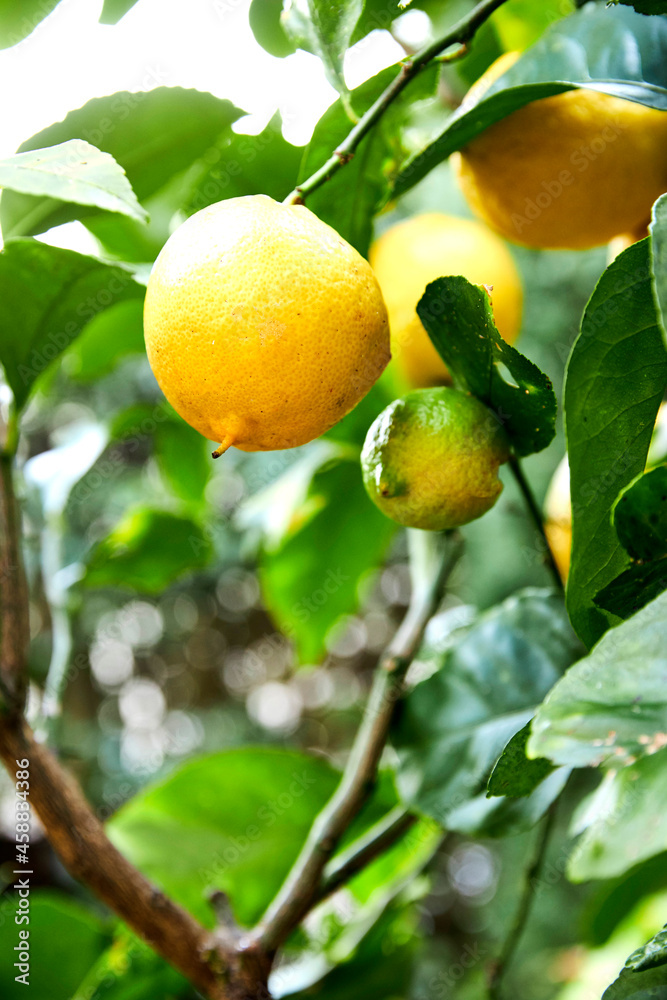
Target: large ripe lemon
566 172
263 326
431 459
411 254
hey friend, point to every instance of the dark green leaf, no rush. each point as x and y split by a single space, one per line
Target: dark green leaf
626 820
64 935
239 819
614 383
184 459
113 10
321 536
47 295
616 898
611 706
650 955
72 171
658 229
247 164
459 320
18 20
615 51
633 588
640 515
105 340
647 6
147 551
351 198
153 134
453 726
649 985
324 27
515 774
264 18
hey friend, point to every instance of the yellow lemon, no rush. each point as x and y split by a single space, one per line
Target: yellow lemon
431 459
411 254
263 326
565 172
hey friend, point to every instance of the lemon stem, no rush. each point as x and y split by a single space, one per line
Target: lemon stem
223 447
536 515
461 34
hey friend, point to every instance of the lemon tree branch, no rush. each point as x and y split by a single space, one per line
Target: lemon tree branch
460 34
303 886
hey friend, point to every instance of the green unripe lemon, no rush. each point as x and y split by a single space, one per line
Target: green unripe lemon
431 459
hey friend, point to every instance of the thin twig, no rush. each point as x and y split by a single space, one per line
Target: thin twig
461 34
513 938
300 890
15 630
536 516
379 838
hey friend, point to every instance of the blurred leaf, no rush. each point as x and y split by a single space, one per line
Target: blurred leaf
322 535
627 821
184 459
47 295
130 970
239 819
351 198
611 706
646 6
266 24
18 20
247 164
633 588
650 955
353 428
614 51
72 171
459 320
147 551
649 985
615 379
481 816
515 774
521 23
105 340
615 899
324 27
113 10
453 726
153 134
640 515
64 936
658 230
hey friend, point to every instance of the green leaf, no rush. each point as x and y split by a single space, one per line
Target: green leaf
321 535
453 726
514 773
633 588
239 819
184 459
154 135
351 198
147 551
72 171
611 706
324 27
18 20
64 935
521 23
615 899
614 383
265 21
658 230
647 6
649 985
113 10
614 51
47 295
105 340
640 515
459 320
650 955
627 821
247 164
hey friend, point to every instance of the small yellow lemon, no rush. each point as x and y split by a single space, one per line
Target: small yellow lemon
263 326
431 458
566 172
411 254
